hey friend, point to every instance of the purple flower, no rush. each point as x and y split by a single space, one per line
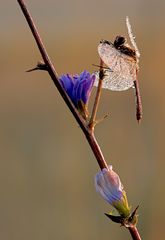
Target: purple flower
78 87
108 184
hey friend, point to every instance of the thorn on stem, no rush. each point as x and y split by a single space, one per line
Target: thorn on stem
116 219
40 66
102 119
133 214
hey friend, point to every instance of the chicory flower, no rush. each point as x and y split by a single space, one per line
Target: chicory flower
108 184
78 88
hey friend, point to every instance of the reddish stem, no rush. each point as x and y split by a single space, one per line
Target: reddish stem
134 232
53 74
92 121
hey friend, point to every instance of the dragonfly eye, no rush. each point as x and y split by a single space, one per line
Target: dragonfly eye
119 41
105 41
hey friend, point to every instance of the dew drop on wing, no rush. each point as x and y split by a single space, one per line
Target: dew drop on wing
114 81
123 68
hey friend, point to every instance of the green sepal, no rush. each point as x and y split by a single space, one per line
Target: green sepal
133 219
125 221
122 206
116 219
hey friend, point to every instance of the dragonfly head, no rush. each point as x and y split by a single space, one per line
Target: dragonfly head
119 41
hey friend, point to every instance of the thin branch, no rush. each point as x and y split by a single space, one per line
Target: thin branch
134 233
92 121
53 74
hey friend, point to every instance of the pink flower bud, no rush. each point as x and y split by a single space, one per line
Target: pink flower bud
108 184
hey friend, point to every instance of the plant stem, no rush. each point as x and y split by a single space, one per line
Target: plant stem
134 232
53 74
92 121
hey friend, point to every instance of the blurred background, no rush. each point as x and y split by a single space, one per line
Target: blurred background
46 166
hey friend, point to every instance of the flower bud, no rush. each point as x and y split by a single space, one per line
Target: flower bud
108 184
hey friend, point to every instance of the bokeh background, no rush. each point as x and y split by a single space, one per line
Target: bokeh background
46 166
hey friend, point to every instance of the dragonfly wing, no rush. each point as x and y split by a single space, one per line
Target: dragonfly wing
123 68
114 81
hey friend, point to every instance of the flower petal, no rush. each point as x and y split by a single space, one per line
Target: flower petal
108 184
78 87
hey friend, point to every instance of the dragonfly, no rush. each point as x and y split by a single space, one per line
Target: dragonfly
122 66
